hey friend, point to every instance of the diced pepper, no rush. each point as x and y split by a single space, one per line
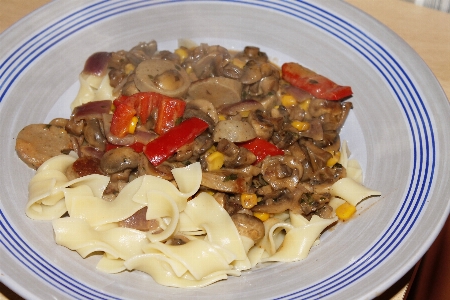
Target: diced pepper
138 147
169 111
110 146
261 148
315 84
161 148
121 120
143 105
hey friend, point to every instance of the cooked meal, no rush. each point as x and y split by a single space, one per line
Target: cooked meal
195 164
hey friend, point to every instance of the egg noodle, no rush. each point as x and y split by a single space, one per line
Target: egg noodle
214 249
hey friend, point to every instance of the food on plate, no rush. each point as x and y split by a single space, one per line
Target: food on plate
201 162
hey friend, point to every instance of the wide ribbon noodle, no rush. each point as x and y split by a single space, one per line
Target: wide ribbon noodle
212 248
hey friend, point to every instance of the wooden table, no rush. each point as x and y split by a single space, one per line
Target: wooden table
427 31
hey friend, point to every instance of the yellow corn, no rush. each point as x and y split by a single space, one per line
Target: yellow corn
222 117
301 126
215 161
133 125
210 150
288 100
248 200
182 53
334 159
113 107
345 211
305 104
244 114
261 215
238 63
129 68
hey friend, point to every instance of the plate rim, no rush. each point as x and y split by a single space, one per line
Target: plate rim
37 13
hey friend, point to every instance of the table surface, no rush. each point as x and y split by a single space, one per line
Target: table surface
424 29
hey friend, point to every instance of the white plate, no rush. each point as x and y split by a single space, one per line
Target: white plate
395 131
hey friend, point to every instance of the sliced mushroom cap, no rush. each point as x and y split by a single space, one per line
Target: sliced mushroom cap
241 106
233 130
252 73
226 180
205 106
217 90
161 76
249 226
119 159
94 135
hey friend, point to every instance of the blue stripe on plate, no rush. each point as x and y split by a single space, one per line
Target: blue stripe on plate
424 152
15 245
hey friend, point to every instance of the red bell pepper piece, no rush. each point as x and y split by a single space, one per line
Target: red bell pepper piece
138 147
169 111
261 148
315 84
122 117
110 146
164 146
143 105
141 102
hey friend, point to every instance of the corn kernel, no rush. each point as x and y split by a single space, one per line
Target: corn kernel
182 53
129 68
189 69
248 200
334 159
214 161
133 125
305 104
222 117
345 211
288 100
301 126
244 114
261 215
238 63
113 107
210 150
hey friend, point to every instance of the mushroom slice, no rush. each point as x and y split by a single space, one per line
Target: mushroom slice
252 73
226 180
161 76
205 106
249 226
217 90
233 130
119 159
